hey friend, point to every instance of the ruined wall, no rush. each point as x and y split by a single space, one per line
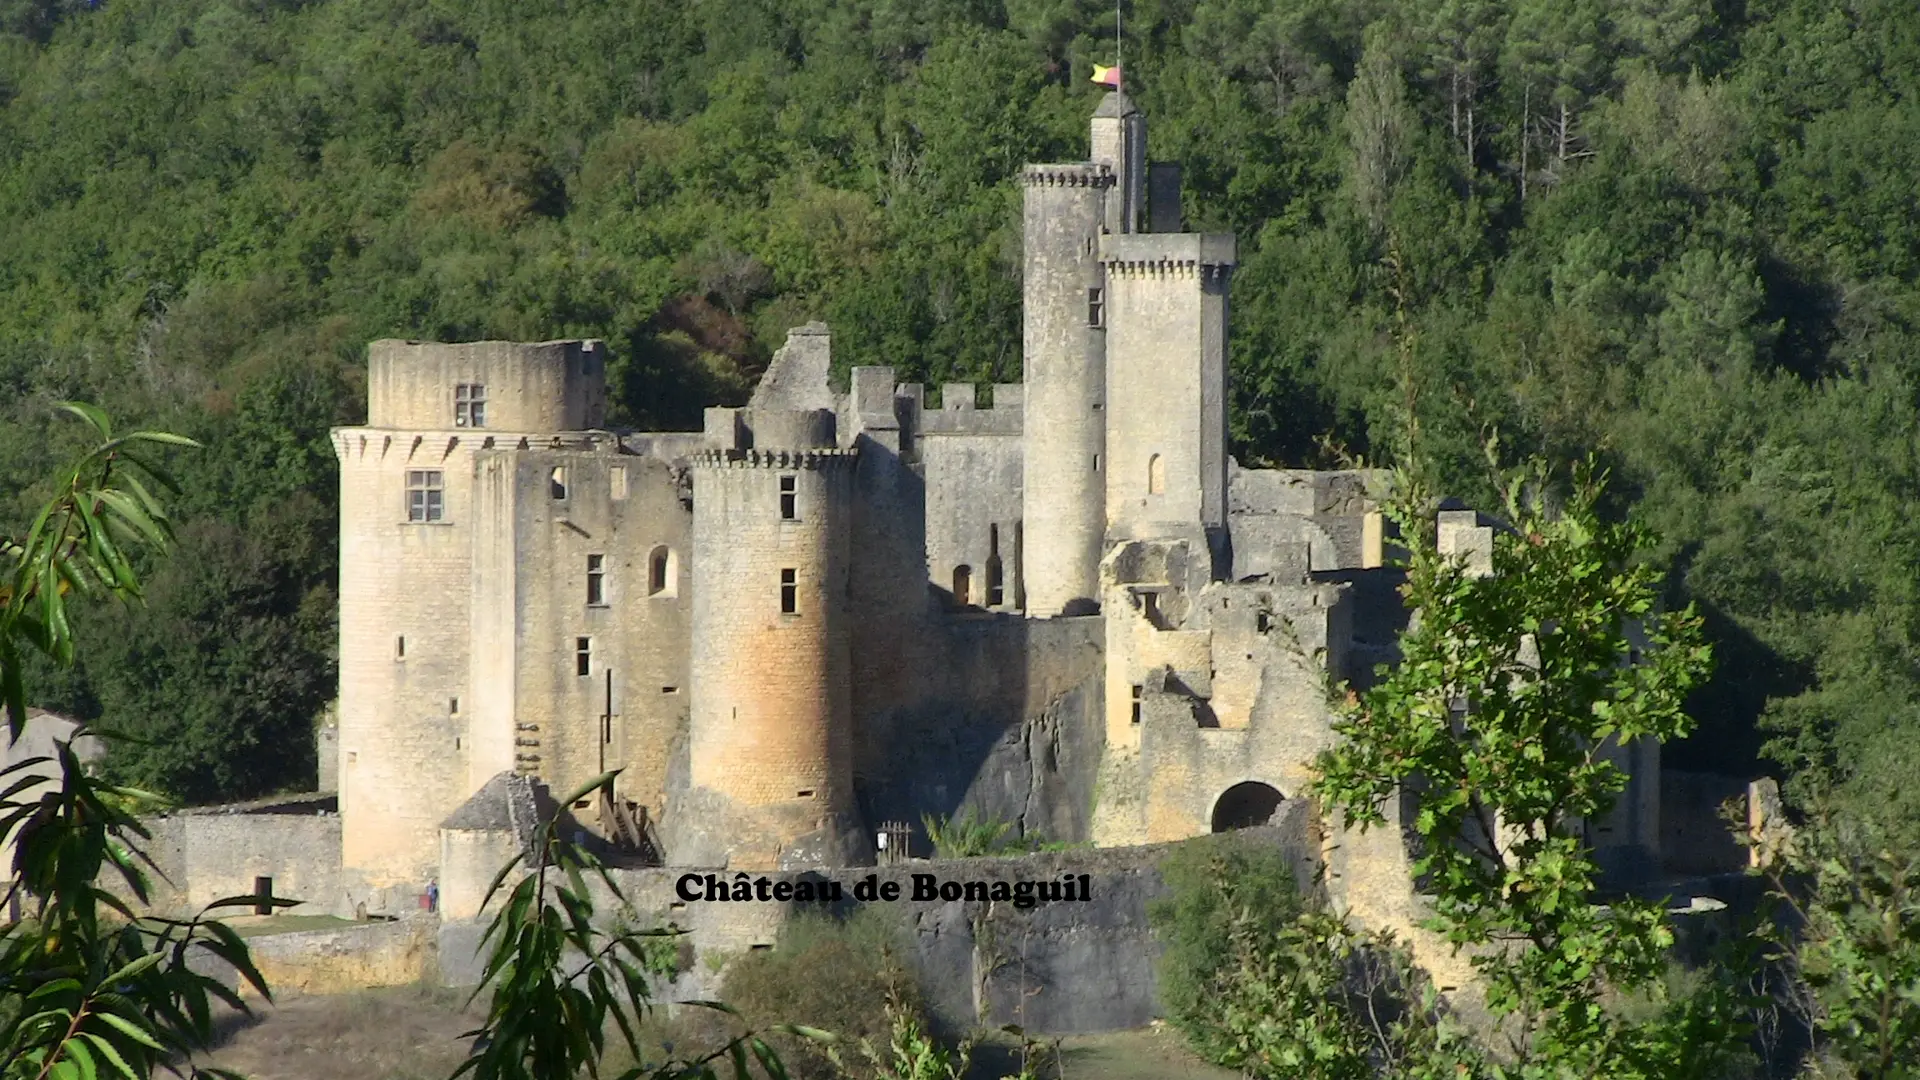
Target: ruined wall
1008 724
1231 687
971 459
1055 969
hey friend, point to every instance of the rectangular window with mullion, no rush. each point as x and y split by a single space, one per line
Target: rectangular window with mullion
470 405
426 495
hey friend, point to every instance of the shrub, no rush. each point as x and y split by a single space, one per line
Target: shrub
1215 886
843 976
969 835
1262 982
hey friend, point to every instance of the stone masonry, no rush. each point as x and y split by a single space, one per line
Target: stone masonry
1061 604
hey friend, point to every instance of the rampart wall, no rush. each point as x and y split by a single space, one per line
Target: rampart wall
1056 968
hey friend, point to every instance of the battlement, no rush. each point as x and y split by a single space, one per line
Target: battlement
501 385
815 459
1167 253
1087 174
960 412
770 428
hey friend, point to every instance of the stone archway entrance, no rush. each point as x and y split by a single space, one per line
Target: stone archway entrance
1245 805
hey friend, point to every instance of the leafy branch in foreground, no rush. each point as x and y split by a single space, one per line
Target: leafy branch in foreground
558 980
87 988
81 542
1499 717
1853 942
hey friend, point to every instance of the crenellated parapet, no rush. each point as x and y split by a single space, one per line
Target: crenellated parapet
812 459
960 413
1168 255
1078 175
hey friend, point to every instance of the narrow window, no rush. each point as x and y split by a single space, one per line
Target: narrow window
1096 308
426 495
1136 704
1096 463
1156 475
596 581
400 647
789 592
263 896
470 405
996 575
557 482
453 706
663 574
789 498
583 656
962 585
617 480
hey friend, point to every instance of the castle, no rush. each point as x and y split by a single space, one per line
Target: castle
1065 606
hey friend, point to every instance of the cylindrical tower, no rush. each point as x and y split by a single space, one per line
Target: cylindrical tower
770 743
1063 356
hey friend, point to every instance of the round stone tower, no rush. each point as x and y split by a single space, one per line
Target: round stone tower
770 754
1063 357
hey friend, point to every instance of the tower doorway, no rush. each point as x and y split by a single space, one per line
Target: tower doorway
1244 806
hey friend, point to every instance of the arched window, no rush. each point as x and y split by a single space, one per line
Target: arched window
962 585
557 482
1156 475
663 572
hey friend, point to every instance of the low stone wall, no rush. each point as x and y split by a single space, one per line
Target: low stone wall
1065 967
211 853
332 961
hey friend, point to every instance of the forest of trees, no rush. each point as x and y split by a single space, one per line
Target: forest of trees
1678 233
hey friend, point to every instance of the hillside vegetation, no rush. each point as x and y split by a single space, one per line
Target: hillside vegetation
1680 234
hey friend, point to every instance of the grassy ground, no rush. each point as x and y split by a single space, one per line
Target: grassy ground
259 925
412 1033
1155 1053
403 1033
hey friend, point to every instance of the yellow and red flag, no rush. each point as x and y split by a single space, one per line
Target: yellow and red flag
1107 76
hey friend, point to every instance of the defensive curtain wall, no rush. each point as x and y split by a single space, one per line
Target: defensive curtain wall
1059 967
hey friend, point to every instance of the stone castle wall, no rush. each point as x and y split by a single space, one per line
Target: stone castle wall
620 518
1166 398
1064 364
1054 969
530 388
771 728
404 646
